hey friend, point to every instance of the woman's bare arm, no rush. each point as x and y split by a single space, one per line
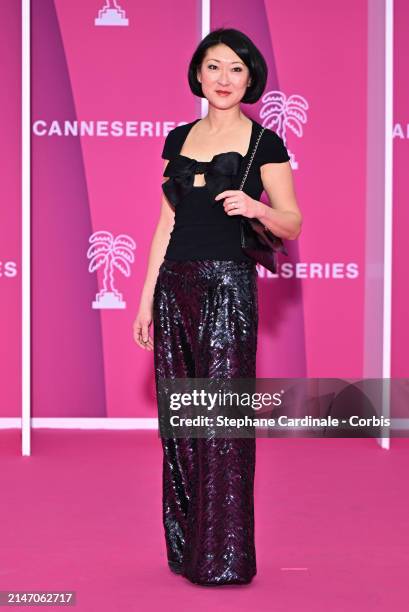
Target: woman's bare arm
283 216
160 241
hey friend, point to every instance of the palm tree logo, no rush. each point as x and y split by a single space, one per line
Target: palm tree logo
113 254
280 113
111 14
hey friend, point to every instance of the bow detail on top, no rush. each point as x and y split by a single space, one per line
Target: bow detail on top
219 174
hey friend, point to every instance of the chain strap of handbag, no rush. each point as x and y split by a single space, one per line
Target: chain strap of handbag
275 243
251 161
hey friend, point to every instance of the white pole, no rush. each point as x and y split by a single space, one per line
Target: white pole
204 30
388 216
25 227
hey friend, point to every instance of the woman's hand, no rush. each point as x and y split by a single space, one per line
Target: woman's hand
141 327
237 202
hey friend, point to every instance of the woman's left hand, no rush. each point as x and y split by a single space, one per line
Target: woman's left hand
237 202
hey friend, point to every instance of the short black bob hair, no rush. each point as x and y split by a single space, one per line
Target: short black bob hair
247 52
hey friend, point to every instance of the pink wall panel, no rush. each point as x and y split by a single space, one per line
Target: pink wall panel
10 196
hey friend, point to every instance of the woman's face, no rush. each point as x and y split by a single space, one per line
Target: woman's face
222 70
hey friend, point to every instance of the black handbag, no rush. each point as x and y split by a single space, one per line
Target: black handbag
257 241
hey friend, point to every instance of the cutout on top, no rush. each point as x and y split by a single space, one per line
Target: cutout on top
201 182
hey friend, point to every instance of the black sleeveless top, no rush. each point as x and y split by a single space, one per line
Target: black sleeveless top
202 229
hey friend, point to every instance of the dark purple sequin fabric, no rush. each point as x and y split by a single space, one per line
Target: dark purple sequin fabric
205 317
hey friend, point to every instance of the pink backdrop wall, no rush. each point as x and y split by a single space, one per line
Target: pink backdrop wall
10 197
128 85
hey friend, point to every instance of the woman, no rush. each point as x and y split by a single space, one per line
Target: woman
201 294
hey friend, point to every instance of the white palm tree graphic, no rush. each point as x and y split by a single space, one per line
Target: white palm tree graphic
111 14
280 113
108 5
112 253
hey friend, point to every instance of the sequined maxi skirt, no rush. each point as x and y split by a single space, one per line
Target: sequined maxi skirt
205 319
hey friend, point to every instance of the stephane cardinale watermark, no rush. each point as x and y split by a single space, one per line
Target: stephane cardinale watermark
283 407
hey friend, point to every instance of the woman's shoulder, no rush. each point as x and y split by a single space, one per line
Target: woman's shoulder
174 140
271 148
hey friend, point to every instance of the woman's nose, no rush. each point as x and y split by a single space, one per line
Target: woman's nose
223 78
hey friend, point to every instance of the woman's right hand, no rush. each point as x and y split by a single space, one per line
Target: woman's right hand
141 328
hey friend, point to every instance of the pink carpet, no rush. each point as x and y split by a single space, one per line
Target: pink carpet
83 513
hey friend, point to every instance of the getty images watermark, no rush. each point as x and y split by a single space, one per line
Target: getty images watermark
283 407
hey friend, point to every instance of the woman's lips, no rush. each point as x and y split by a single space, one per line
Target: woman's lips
223 93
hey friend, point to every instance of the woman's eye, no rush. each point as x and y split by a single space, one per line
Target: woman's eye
235 69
